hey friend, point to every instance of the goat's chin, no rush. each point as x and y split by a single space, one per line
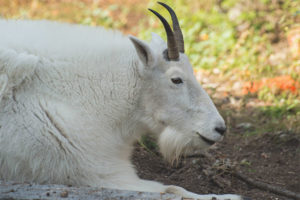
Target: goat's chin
174 144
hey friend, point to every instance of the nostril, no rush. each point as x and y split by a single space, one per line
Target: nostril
221 130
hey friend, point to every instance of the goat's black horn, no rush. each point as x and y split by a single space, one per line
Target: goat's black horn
173 53
176 27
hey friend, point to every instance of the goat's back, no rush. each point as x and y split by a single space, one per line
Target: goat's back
59 40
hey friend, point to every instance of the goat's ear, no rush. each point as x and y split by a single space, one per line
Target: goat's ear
144 51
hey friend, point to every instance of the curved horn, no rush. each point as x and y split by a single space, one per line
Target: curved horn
176 27
173 53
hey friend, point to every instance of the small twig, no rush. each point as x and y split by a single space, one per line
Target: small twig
266 186
198 155
201 155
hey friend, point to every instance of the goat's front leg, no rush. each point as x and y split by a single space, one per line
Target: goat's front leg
186 194
137 184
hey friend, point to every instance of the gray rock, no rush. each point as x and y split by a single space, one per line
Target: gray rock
24 191
244 125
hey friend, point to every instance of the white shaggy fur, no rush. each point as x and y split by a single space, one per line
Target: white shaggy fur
73 100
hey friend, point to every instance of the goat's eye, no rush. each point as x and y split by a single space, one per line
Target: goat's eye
176 80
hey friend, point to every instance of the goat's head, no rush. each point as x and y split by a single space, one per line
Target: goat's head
173 98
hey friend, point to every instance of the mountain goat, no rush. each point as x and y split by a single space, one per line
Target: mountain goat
74 99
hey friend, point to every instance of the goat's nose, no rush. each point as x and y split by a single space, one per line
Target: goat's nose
221 130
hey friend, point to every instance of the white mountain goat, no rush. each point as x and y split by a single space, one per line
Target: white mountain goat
74 99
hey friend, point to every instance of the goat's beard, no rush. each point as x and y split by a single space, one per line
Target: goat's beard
174 144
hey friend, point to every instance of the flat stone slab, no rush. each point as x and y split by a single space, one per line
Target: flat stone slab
24 191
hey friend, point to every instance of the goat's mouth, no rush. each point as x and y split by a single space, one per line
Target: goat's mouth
208 141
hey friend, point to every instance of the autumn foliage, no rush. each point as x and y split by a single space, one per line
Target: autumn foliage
279 83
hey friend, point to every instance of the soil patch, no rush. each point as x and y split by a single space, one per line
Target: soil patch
269 158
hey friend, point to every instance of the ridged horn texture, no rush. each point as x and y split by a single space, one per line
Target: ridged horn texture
176 27
173 53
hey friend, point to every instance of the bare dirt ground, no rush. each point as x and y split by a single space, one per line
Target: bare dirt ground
269 157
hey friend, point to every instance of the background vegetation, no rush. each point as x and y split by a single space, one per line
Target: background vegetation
246 53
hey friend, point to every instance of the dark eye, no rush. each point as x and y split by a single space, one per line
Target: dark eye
176 80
